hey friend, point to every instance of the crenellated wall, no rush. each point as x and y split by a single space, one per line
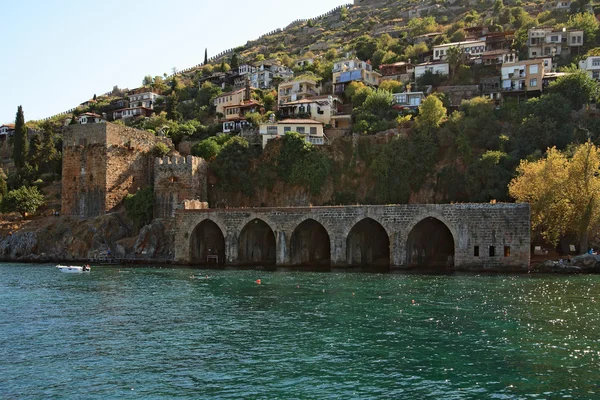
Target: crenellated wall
102 163
177 179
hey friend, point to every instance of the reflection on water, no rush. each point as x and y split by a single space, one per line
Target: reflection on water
151 332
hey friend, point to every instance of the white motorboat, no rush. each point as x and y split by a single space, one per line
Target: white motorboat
69 269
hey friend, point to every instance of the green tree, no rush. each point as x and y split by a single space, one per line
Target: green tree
205 56
456 57
562 193
431 114
391 86
21 142
235 62
587 23
420 26
147 82
25 200
140 206
207 149
578 88
232 166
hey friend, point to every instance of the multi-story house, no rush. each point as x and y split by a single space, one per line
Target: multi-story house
408 100
304 62
353 70
6 130
549 42
441 68
132 112
142 97
400 71
90 118
490 87
591 65
522 78
473 48
229 99
325 109
297 90
267 71
311 130
500 57
235 115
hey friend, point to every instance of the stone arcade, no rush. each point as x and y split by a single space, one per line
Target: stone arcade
459 236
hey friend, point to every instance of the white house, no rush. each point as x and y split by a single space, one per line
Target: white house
441 68
266 71
90 118
6 130
474 48
311 130
319 108
143 99
591 65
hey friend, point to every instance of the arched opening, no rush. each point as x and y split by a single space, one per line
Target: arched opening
430 244
207 244
310 244
257 244
368 244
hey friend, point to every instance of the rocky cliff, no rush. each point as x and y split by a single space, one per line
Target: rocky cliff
68 238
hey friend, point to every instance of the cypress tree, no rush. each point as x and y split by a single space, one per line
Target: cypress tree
235 63
21 142
205 56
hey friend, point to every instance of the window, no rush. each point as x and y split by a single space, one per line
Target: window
476 251
554 38
415 101
287 129
506 251
533 83
579 39
313 130
271 130
401 99
492 251
573 39
595 62
301 129
533 69
437 53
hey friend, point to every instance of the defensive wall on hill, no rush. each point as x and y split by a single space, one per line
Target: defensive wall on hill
459 236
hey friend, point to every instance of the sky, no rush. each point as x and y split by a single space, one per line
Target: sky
59 53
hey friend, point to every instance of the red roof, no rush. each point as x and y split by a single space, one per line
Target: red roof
89 114
9 126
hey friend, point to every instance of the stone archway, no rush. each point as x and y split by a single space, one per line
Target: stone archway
257 244
368 244
430 244
207 244
310 245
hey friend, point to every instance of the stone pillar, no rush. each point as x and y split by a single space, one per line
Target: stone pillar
282 248
397 251
338 251
231 249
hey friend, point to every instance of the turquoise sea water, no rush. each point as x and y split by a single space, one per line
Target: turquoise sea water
158 333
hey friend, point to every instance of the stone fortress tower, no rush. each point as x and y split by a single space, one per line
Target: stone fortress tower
103 163
178 179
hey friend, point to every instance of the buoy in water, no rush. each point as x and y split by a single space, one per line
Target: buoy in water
258 281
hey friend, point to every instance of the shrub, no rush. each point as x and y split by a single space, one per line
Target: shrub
25 200
160 150
140 206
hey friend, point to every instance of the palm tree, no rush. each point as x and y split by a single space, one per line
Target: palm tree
456 56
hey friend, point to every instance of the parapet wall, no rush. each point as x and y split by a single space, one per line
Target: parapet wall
177 179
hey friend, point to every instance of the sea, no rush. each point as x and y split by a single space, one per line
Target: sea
151 332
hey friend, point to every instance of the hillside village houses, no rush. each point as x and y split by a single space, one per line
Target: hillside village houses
303 105
353 70
90 118
591 65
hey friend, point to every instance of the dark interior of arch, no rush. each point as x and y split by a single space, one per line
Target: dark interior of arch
257 244
368 244
207 241
310 244
430 244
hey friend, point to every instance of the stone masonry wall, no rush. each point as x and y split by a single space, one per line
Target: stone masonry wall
482 225
177 179
102 163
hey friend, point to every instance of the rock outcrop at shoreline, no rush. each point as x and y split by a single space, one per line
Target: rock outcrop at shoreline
585 263
68 238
